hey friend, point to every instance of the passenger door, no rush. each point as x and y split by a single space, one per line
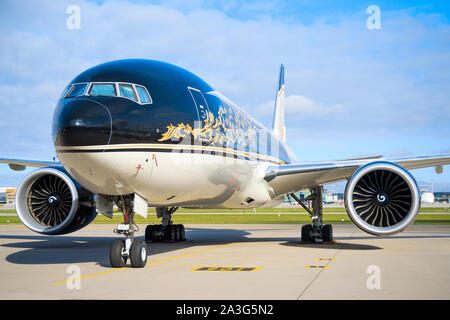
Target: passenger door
202 111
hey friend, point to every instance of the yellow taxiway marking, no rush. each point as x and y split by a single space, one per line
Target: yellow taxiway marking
247 269
191 253
321 267
92 275
155 261
192 265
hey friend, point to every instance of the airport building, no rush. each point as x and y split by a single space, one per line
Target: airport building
328 197
7 196
426 197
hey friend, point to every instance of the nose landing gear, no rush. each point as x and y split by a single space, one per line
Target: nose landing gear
134 249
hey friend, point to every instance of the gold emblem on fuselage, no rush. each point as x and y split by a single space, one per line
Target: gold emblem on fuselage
228 127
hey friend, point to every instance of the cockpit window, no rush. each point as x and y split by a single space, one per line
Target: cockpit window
103 89
77 90
134 92
143 95
65 91
127 91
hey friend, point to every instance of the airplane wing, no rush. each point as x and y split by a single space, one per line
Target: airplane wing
293 177
20 164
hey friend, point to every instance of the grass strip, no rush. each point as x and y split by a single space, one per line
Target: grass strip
434 219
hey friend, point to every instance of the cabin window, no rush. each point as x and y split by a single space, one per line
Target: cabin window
143 95
127 91
76 90
103 89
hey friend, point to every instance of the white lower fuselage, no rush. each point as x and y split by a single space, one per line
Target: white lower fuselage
196 180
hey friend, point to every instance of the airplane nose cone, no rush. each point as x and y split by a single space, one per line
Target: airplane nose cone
81 122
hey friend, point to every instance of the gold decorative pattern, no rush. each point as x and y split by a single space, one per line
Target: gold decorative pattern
228 127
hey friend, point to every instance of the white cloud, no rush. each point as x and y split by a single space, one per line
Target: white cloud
299 107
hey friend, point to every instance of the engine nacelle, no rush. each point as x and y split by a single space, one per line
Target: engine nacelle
49 201
382 198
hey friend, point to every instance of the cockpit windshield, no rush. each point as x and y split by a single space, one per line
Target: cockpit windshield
131 91
77 90
103 89
126 91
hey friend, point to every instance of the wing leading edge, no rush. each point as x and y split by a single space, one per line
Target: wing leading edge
20 164
293 177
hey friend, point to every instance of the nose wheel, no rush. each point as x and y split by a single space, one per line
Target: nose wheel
116 256
137 253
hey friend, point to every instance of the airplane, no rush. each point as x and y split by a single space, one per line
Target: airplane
139 133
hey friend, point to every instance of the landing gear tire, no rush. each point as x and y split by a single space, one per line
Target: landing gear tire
178 232
183 233
327 233
116 258
172 232
138 253
149 233
306 232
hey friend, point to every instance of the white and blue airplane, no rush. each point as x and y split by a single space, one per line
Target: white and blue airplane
139 133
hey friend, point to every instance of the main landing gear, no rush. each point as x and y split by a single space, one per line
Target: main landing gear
166 230
134 249
316 231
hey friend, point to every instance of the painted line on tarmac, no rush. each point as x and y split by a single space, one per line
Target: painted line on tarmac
155 261
92 275
151 262
321 267
191 253
246 269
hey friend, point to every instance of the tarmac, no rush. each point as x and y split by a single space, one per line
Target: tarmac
223 262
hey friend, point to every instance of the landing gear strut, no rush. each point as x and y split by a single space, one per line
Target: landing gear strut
316 231
166 230
135 249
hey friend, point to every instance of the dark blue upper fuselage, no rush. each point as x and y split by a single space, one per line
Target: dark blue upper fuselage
181 103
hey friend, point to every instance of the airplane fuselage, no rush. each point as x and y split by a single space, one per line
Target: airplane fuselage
183 145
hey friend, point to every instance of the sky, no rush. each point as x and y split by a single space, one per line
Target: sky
351 90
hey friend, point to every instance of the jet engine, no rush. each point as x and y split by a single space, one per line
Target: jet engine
382 198
49 201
